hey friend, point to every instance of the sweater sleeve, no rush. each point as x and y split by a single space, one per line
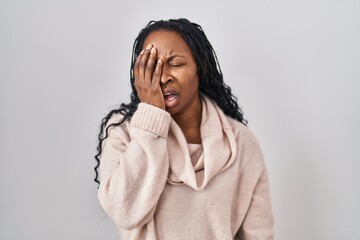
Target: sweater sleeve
258 222
252 198
134 167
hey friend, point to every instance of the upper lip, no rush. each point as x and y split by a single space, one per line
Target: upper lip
168 91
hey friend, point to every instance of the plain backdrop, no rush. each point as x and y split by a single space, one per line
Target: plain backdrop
294 66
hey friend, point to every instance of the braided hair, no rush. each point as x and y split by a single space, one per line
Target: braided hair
211 81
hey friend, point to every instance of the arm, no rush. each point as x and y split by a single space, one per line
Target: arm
258 222
253 199
134 167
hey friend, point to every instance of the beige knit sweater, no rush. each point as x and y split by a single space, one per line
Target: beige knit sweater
156 186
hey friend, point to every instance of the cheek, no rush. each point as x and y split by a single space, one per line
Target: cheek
188 80
186 74
193 80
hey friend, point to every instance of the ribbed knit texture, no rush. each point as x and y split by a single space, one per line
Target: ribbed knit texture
150 189
151 119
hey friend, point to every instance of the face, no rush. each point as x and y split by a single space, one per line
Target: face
179 79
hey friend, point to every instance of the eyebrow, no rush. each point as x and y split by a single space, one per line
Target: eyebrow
169 59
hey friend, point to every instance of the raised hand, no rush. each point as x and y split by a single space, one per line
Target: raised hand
147 76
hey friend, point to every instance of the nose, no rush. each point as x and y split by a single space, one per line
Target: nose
166 76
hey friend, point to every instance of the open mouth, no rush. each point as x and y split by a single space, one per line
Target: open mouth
170 97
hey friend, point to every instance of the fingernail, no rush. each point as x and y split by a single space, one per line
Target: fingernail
159 61
149 46
152 50
142 51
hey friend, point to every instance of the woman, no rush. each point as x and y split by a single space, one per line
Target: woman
178 161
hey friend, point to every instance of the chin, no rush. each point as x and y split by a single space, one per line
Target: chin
172 111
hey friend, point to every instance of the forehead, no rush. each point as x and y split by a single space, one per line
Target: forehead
167 43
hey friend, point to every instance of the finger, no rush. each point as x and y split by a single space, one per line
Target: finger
136 68
150 65
157 73
142 65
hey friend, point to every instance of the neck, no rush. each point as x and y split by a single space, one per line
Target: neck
190 122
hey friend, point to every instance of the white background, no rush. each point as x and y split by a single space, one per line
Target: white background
294 66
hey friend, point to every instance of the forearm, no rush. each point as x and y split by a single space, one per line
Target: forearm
130 189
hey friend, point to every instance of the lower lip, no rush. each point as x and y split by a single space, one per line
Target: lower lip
171 102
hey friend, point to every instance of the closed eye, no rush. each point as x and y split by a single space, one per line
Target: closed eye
176 64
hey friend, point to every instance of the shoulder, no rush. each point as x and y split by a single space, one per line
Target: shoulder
116 126
247 143
242 132
115 118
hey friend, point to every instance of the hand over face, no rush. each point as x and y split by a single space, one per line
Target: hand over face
147 76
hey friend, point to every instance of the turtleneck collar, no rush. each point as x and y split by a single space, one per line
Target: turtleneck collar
218 143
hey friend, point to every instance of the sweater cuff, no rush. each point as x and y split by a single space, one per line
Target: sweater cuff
152 119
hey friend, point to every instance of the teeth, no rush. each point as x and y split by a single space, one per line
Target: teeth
172 98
